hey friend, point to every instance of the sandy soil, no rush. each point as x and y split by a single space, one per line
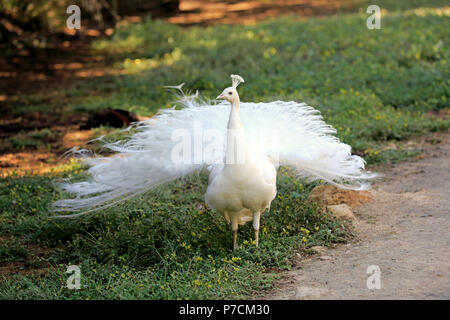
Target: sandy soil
405 231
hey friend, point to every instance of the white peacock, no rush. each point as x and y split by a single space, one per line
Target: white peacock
242 175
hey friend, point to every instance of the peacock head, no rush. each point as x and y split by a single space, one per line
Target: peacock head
230 94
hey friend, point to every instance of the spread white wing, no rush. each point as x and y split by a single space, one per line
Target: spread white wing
290 133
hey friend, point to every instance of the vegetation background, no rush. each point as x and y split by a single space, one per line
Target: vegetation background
379 88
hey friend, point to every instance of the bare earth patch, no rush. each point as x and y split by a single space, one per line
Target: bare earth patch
405 232
43 161
204 12
33 263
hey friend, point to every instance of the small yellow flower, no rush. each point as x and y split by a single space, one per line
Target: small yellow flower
305 230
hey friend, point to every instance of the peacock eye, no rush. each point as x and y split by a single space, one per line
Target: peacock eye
229 93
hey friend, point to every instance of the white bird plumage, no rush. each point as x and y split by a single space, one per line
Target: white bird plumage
242 179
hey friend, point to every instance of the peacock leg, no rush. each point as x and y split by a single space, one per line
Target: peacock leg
234 240
234 227
256 217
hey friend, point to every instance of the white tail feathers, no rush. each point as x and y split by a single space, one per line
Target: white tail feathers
145 161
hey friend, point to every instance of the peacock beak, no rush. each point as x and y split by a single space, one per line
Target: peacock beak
220 96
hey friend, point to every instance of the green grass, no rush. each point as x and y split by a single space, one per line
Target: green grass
28 140
375 86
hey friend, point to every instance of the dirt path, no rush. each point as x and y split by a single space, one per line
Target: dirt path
405 231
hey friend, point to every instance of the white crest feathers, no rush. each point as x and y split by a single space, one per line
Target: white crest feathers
236 80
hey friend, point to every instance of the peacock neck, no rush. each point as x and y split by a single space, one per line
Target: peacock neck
237 150
234 121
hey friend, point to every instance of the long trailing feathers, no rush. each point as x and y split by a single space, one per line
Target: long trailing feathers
304 142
